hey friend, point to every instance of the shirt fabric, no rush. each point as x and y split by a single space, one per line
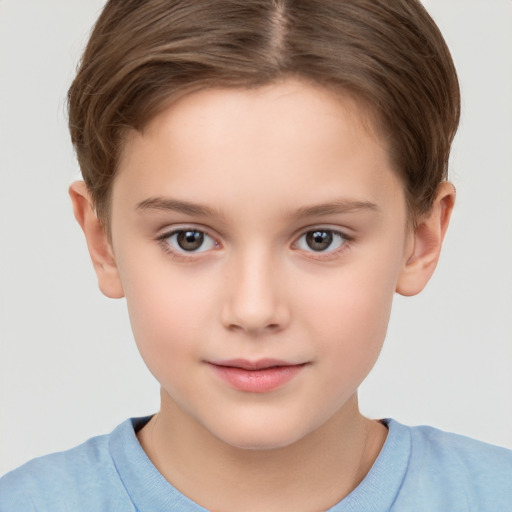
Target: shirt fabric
419 469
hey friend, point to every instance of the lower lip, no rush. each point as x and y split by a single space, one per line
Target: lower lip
257 381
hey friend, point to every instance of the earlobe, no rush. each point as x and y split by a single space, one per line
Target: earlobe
98 243
425 246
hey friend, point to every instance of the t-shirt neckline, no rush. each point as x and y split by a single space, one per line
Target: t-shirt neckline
149 490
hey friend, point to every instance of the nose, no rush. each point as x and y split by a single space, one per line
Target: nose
255 300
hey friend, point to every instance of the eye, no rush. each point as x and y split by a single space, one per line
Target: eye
189 240
321 240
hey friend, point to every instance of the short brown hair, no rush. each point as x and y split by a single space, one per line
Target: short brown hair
389 53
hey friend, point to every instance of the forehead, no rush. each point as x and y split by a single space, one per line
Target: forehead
287 142
286 103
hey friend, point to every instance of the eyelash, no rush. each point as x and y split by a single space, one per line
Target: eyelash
182 254
344 243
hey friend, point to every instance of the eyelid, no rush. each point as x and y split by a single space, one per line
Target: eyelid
162 239
191 255
347 239
169 230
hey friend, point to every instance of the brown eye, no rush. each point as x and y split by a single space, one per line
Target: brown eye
190 240
319 240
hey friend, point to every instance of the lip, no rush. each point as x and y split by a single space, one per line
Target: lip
259 376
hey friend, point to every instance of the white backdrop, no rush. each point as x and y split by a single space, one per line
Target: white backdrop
69 368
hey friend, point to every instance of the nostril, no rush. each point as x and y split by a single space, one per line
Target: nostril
253 328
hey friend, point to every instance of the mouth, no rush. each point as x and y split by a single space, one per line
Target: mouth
259 376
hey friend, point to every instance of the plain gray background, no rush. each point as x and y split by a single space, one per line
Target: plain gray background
69 368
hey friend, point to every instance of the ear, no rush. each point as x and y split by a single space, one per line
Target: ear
425 245
98 243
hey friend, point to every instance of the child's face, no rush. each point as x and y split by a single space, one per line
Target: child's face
267 227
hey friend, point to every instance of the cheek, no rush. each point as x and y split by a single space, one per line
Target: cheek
168 312
350 313
353 326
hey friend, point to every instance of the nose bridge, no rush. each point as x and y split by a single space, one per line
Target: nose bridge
255 298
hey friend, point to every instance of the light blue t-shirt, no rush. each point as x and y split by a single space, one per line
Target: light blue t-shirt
419 469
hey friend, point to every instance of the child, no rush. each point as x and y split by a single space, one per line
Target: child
260 178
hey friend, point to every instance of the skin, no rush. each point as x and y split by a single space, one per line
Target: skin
261 161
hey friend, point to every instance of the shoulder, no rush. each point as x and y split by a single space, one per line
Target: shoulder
462 455
75 479
476 475
468 452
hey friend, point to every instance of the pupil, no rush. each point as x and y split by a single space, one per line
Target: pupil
190 240
319 240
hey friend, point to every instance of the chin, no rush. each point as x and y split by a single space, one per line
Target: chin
262 443
261 437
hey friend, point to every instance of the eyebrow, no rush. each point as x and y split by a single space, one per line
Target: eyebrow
165 203
331 208
335 207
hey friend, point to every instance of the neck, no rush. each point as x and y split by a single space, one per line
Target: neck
313 473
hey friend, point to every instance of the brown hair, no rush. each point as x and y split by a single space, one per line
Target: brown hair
389 53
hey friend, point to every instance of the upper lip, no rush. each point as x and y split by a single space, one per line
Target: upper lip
260 364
